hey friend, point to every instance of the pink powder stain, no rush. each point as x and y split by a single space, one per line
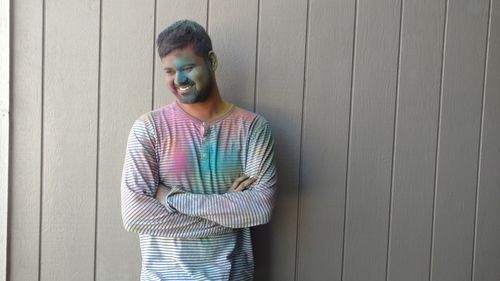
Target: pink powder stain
180 160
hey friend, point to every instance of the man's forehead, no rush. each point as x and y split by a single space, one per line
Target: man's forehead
181 56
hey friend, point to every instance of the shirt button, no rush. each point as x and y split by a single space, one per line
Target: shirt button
204 155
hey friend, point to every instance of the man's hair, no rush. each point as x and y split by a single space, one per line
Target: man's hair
181 34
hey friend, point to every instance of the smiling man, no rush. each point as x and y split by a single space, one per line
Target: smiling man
198 172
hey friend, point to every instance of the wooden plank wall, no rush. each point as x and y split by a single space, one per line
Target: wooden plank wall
5 90
26 135
386 116
125 93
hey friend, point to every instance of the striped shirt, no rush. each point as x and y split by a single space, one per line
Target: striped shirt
201 231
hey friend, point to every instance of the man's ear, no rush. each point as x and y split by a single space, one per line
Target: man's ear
212 61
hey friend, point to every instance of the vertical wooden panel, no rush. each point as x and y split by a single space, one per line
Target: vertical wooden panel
4 130
324 140
280 75
126 93
415 145
24 201
487 252
233 29
371 141
69 140
166 13
459 140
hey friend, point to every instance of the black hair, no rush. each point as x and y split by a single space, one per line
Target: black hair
181 34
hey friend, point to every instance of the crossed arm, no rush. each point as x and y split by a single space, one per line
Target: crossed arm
248 202
249 207
141 212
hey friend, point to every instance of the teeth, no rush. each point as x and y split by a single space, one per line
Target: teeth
183 88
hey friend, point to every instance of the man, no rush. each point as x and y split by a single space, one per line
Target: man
198 172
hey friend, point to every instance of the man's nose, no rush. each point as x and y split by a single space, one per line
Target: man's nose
180 78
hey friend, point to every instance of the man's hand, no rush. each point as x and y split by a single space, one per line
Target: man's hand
241 183
162 192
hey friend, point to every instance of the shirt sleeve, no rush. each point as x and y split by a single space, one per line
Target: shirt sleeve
141 212
242 208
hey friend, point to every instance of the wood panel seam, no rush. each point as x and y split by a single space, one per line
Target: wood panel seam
208 15
480 146
438 136
42 113
99 90
349 134
153 76
257 41
394 140
304 90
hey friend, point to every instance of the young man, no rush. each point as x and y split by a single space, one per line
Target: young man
198 172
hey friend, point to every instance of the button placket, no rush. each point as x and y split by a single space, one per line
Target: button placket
205 129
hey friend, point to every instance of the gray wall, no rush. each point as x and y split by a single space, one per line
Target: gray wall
386 115
4 130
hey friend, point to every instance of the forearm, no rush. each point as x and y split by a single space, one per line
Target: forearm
233 209
146 215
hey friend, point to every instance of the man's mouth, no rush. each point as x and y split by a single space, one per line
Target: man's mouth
184 88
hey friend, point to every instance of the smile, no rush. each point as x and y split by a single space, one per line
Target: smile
184 88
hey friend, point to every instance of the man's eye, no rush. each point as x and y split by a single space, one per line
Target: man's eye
169 72
188 68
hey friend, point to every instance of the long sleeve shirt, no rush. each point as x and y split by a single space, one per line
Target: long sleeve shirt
201 231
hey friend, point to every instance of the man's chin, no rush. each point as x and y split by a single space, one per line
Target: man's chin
191 98
187 98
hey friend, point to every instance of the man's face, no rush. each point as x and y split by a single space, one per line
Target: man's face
188 75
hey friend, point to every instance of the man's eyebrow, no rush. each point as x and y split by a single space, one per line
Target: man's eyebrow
180 66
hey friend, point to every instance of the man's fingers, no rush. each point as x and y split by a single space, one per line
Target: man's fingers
246 183
238 181
242 183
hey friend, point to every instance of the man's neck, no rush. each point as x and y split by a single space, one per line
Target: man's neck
209 110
